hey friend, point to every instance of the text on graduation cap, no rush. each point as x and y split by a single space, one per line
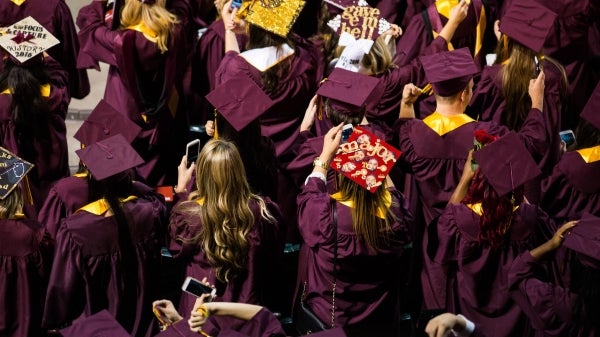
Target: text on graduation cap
360 21
376 149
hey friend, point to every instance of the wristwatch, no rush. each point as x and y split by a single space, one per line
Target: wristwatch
319 163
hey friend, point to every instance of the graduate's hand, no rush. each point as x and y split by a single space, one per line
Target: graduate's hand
210 128
468 171
230 19
184 174
458 13
166 312
441 325
536 91
410 94
199 314
309 115
395 31
558 237
331 143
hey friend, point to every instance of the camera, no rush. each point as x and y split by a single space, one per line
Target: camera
197 288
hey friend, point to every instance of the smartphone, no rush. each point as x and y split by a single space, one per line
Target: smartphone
346 132
567 136
196 288
236 4
537 66
165 252
191 151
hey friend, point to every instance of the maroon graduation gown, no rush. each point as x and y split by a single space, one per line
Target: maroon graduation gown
265 252
56 17
87 274
23 277
52 162
367 278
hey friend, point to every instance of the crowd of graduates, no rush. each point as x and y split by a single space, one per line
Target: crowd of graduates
365 168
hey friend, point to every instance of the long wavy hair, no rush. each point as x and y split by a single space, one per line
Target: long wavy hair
367 226
518 69
260 38
497 211
222 201
154 16
29 109
379 59
586 308
12 204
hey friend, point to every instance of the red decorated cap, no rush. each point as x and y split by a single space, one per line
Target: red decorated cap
527 22
109 157
365 158
105 122
348 91
240 101
26 39
449 72
98 324
12 170
506 163
359 22
591 111
584 238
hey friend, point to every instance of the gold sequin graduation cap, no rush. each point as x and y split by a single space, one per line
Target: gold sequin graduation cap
275 16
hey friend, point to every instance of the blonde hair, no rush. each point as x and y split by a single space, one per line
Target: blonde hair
224 212
379 59
367 225
12 204
154 16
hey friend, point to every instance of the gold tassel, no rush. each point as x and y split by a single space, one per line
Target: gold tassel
216 134
27 196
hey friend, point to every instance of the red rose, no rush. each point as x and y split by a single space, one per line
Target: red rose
483 138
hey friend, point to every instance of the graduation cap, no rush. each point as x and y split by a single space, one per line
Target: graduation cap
506 163
584 238
12 170
591 111
337 6
105 122
240 101
26 39
97 325
348 91
275 16
365 158
527 22
109 157
449 72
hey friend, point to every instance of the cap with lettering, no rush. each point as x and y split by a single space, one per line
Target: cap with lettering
527 22
365 158
99 324
109 157
26 39
12 170
105 122
348 91
275 16
591 111
449 72
240 101
506 163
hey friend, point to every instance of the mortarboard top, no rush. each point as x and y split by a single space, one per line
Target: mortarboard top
348 91
591 111
12 170
26 39
109 157
449 72
275 16
584 238
527 22
337 6
105 122
100 324
365 158
240 101
506 163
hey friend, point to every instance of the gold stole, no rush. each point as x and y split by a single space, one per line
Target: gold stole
381 213
44 89
441 124
100 206
590 154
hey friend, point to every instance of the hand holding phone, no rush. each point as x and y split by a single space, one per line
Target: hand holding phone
567 136
537 67
197 288
191 151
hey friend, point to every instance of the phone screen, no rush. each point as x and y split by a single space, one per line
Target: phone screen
196 288
568 137
346 132
193 148
236 4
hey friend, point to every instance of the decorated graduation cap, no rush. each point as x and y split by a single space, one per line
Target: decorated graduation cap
358 26
337 6
449 72
99 324
12 170
527 22
240 101
275 16
105 122
591 111
584 238
335 332
348 91
26 39
506 163
109 157
365 158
